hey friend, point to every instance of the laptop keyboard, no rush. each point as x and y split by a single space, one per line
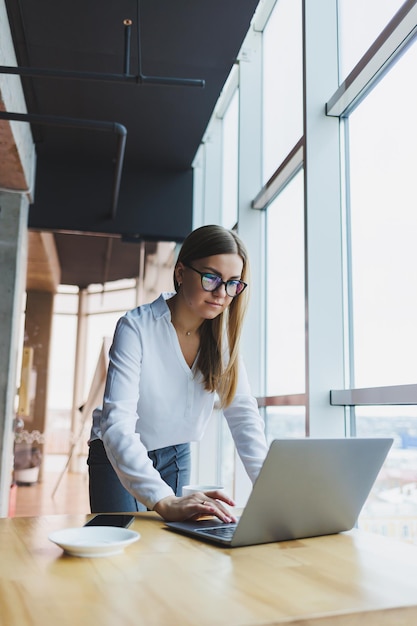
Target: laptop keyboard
222 532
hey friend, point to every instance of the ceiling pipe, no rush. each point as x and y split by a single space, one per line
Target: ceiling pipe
126 77
128 30
103 77
55 120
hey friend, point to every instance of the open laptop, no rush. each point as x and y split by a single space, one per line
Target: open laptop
306 487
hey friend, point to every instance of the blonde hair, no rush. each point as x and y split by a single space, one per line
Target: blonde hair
218 376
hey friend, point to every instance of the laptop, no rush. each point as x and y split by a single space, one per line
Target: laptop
306 488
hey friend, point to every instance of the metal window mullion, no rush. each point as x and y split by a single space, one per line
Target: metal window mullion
374 396
281 177
349 362
251 223
322 176
227 93
198 186
212 203
293 399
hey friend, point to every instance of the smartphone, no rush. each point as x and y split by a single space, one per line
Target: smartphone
109 519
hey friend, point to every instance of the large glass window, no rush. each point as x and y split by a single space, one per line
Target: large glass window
383 188
383 219
360 23
285 421
391 508
230 163
62 356
61 373
285 291
282 84
104 307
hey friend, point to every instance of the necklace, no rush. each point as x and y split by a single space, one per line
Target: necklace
187 333
177 327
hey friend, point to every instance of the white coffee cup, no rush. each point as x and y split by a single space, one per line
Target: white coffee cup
187 490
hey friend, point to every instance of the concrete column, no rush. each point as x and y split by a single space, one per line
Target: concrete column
13 260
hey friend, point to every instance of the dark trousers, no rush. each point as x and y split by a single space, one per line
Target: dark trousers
107 493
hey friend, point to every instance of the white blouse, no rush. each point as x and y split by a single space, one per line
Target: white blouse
153 399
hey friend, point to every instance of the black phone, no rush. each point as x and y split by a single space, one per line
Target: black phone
111 519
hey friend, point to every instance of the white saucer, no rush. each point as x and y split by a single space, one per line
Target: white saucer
92 541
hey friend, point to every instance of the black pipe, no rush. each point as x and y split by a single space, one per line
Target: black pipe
167 80
128 30
47 73
108 77
121 144
55 120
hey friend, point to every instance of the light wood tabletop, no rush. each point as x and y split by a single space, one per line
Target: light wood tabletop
166 579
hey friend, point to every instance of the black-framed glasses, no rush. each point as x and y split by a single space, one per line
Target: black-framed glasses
211 282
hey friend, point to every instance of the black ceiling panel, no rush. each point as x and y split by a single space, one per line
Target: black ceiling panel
187 39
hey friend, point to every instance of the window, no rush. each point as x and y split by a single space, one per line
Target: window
359 246
383 188
383 234
230 163
282 84
391 508
62 357
285 421
285 291
366 20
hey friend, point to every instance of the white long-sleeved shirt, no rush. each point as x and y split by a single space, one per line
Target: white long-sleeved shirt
153 399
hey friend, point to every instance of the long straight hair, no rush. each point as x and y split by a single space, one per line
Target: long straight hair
218 376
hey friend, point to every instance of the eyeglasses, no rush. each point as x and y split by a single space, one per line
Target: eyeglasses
211 282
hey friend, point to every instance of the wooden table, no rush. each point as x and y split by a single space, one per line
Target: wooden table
166 579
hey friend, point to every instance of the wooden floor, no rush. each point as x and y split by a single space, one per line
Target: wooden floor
46 498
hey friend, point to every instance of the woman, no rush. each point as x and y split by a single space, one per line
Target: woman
169 361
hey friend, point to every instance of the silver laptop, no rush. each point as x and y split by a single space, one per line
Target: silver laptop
306 487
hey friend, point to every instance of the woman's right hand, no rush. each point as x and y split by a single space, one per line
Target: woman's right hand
195 505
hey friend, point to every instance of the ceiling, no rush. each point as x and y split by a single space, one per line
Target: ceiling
91 78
